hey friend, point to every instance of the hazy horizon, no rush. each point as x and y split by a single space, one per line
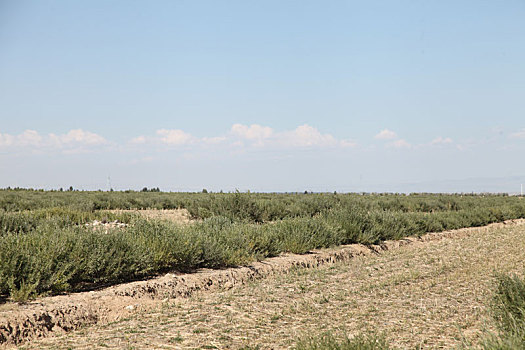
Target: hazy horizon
509 185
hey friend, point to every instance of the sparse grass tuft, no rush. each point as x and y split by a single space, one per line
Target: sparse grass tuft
360 342
508 305
508 311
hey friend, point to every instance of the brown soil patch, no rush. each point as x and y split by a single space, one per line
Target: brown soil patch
428 292
179 216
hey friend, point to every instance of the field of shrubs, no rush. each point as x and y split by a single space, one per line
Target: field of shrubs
47 248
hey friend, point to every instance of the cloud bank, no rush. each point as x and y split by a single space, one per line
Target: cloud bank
385 134
74 141
249 136
239 138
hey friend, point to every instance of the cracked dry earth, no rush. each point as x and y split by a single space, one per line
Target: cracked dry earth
428 294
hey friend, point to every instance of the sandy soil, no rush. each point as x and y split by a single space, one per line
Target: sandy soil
429 292
180 216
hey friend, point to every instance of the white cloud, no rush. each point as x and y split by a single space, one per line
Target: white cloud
243 137
519 134
400 144
307 136
28 138
302 136
441 141
79 136
386 135
74 141
252 132
174 137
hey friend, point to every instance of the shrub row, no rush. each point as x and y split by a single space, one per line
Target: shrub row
54 258
50 260
251 207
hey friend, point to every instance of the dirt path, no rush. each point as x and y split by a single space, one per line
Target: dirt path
430 293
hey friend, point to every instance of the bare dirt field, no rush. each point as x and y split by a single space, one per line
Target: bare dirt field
430 293
179 216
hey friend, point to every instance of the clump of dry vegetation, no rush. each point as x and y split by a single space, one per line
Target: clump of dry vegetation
328 342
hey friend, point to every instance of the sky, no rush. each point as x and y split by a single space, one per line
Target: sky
287 95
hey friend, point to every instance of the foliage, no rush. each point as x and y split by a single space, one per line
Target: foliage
508 311
46 248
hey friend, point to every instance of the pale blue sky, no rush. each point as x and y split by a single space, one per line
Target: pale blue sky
166 93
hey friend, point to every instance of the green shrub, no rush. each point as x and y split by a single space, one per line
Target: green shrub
508 304
508 311
299 235
45 247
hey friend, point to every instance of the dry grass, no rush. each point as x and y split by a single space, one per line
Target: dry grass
428 294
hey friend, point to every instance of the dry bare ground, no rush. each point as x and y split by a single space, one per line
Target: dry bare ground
430 292
179 216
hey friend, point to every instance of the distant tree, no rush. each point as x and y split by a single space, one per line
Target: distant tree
71 188
145 189
204 190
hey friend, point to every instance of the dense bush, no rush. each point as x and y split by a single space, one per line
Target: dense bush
45 248
253 207
50 260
